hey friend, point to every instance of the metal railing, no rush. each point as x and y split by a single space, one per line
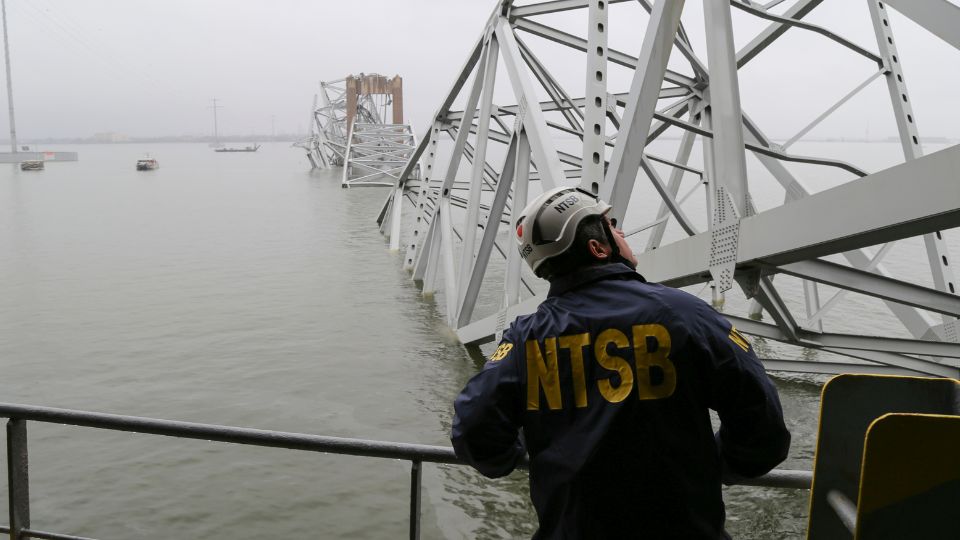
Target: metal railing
417 454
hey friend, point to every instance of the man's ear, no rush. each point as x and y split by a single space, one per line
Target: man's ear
599 250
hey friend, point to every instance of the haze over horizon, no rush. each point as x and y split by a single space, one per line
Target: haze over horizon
150 68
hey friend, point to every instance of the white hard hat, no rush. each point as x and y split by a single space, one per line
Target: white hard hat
548 225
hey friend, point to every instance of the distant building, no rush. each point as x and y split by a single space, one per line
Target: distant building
110 137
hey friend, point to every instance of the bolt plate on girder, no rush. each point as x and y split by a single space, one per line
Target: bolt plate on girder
724 238
521 113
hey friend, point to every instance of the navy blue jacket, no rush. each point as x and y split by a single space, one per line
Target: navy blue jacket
611 381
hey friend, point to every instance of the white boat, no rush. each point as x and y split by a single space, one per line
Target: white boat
147 164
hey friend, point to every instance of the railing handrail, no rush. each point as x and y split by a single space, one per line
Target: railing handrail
297 441
230 434
415 453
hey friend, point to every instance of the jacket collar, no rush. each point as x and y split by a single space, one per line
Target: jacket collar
568 282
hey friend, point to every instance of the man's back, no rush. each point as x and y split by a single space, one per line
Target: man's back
611 380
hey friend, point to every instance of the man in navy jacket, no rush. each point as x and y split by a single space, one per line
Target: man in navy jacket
608 388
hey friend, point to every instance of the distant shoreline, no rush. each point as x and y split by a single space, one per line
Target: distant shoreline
285 138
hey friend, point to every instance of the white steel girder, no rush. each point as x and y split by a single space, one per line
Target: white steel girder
327 138
456 226
376 154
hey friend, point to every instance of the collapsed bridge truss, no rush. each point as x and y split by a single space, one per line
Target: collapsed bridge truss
701 215
369 154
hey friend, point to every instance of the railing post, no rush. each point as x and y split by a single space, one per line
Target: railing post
415 474
17 478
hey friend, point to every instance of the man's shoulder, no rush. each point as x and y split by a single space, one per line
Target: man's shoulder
632 299
677 297
533 324
523 324
664 304
659 294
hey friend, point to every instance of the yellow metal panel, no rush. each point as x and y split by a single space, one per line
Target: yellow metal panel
910 480
850 403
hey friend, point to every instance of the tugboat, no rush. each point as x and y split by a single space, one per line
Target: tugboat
147 164
31 165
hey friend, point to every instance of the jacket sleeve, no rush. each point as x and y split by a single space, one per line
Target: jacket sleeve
752 438
486 424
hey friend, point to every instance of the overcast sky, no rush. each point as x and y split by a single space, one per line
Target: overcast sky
150 67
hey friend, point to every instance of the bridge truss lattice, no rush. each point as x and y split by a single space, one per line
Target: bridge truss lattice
701 215
326 142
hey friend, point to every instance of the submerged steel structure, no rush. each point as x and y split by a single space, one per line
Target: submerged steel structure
481 159
377 153
326 143
359 126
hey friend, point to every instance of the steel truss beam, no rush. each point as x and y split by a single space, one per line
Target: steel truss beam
939 17
871 284
376 154
327 140
933 203
555 7
459 221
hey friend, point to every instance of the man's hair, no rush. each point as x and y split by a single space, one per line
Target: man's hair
578 255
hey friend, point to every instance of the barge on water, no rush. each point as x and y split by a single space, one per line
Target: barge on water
31 165
253 148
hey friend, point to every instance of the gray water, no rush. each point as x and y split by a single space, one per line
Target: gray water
242 289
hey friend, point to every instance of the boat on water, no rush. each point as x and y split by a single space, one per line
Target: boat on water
253 148
31 165
147 164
